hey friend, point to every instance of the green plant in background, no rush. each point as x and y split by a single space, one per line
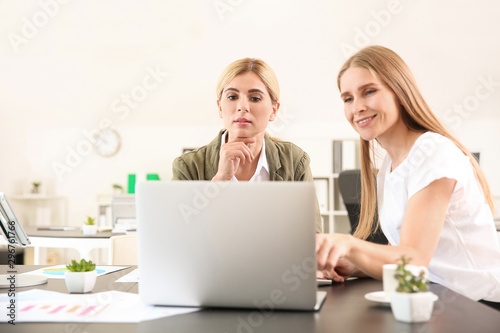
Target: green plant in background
407 282
83 266
118 187
36 187
90 221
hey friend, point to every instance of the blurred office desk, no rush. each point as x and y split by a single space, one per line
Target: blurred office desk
345 310
74 239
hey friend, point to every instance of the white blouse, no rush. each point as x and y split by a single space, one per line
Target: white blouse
467 257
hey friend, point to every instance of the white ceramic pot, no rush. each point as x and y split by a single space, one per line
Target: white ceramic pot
413 307
389 279
80 282
89 230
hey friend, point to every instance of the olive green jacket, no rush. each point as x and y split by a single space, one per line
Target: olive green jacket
287 162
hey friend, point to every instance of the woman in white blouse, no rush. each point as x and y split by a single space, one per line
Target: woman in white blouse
434 203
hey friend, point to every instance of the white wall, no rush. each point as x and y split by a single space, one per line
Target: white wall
66 68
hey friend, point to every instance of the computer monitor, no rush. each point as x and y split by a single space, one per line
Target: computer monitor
12 230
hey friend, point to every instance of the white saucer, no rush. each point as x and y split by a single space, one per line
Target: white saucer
22 280
378 296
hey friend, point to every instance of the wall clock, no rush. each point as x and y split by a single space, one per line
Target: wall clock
108 142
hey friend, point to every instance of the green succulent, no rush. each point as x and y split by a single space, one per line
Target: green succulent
83 266
407 282
90 221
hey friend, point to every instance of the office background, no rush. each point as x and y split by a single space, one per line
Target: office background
149 68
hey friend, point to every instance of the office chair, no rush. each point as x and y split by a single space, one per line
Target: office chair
350 189
123 250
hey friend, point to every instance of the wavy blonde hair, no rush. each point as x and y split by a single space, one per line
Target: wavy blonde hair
387 66
246 65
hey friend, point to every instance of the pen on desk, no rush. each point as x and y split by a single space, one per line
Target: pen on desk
57 228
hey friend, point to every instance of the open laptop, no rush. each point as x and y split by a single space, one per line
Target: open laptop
228 244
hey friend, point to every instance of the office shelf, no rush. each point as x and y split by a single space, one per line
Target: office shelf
332 207
40 209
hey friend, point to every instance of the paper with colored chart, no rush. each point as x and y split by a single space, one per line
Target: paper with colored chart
105 307
57 272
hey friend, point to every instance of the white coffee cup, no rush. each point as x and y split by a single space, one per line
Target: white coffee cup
391 283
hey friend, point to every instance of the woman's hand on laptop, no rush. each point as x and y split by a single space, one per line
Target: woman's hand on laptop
344 270
331 250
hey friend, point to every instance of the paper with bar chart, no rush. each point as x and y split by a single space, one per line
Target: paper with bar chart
105 307
57 272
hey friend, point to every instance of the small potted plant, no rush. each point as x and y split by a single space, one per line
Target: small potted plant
89 227
80 277
117 189
36 187
412 302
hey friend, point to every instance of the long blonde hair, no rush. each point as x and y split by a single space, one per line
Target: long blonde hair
246 65
386 65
